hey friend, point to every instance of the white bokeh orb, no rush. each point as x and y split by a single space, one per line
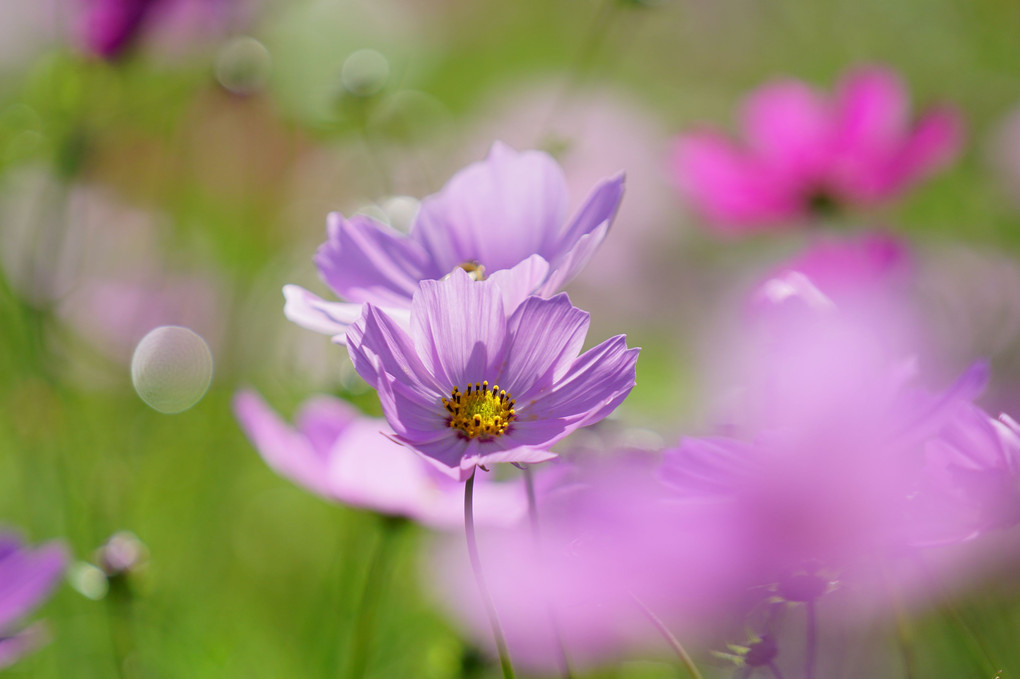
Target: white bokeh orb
171 368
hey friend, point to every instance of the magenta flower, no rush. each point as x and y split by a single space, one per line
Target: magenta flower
109 28
803 152
474 382
27 576
504 217
341 455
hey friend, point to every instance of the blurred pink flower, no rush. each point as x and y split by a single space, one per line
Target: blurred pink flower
613 538
341 455
109 28
804 152
27 576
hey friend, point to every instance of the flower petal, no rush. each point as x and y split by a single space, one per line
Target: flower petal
365 261
585 233
787 124
935 141
521 281
725 186
595 385
314 313
27 577
459 329
545 336
378 345
301 459
872 109
496 212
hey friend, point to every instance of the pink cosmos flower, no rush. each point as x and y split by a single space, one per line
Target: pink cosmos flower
27 576
803 151
341 455
613 539
109 28
504 217
477 381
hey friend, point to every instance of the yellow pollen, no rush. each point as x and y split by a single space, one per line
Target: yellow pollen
480 412
474 269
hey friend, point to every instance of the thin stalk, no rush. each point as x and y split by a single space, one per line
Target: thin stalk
812 642
371 594
775 670
685 658
476 567
118 619
536 534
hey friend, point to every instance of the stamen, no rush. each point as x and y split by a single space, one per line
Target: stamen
480 411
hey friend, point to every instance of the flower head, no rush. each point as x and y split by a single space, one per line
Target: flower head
476 380
27 575
503 218
805 153
337 453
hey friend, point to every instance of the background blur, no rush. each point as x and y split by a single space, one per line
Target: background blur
185 177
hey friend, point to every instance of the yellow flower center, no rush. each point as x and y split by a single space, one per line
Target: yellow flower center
480 411
474 269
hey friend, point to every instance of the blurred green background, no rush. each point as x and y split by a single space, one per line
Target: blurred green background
204 168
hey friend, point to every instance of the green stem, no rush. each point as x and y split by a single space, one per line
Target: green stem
476 567
674 643
118 616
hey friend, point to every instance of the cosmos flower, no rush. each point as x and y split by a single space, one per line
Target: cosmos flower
109 28
804 153
27 576
474 382
613 539
502 218
341 455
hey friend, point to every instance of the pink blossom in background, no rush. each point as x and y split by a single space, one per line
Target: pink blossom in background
337 453
110 28
613 538
113 314
872 274
803 151
27 577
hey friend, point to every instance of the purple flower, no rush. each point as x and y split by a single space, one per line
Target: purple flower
337 453
27 576
504 218
971 478
804 152
475 382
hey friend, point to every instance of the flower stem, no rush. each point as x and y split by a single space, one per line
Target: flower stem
775 670
674 643
371 593
476 567
536 534
811 645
